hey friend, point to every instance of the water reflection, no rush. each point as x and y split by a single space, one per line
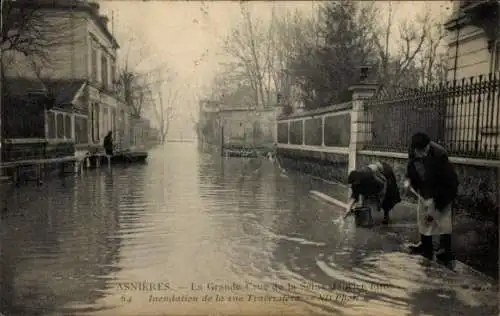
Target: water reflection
57 252
187 217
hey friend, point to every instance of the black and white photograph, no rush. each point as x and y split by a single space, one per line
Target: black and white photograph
247 158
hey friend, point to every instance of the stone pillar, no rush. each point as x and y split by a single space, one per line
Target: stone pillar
360 121
288 124
46 124
323 131
73 136
303 121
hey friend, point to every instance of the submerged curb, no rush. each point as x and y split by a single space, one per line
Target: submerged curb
460 267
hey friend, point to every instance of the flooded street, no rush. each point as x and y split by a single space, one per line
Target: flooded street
189 233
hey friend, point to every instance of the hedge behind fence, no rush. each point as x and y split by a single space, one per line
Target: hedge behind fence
283 133
296 131
314 132
338 130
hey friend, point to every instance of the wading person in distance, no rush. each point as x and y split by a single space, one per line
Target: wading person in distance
376 186
108 144
431 176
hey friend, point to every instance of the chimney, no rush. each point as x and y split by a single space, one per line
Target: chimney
94 6
104 20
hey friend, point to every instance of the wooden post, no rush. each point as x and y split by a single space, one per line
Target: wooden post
15 177
39 173
61 169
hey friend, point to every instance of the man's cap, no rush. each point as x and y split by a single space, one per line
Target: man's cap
420 140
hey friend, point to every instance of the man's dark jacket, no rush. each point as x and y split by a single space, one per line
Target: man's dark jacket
368 184
108 144
392 196
441 180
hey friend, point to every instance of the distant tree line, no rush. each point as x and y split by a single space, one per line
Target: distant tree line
312 59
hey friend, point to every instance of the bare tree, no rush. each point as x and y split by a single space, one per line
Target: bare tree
382 38
163 106
293 33
130 81
32 33
250 45
398 67
226 81
134 94
32 29
433 60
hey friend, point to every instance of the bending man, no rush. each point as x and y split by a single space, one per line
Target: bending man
376 186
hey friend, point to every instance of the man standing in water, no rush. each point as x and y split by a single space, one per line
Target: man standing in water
108 144
432 177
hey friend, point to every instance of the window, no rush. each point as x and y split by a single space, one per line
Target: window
105 120
60 125
113 71
95 122
67 127
132 136
122 119
81 136
93 74
104 71
51 123
113 121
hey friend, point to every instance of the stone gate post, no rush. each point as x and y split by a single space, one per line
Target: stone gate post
360 120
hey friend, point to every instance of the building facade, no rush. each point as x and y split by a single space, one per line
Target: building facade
474 62
80 72
473 39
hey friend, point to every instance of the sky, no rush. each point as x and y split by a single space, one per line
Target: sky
184 36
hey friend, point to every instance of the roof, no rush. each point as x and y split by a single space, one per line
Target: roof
64 90
83 5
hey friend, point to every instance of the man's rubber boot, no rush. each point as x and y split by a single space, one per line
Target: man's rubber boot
424 247
444 254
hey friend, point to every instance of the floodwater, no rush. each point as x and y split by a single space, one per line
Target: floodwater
190 233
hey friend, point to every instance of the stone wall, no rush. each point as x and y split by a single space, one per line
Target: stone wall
249 126
329 166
